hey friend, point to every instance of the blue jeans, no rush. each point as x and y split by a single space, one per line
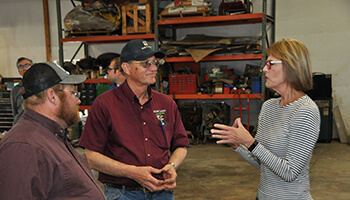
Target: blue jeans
122 194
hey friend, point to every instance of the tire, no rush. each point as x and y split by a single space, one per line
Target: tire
221 10
249 8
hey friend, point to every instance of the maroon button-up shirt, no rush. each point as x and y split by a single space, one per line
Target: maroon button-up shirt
142 135
37 162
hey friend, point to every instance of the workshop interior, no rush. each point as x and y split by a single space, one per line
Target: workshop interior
213 69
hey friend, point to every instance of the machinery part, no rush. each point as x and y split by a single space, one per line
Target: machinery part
214 113
191 115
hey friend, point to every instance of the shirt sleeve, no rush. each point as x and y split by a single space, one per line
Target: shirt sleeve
13 102
244 153
303 136
180 138
26 174
95 133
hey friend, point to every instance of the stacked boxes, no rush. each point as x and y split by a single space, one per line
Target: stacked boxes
183 83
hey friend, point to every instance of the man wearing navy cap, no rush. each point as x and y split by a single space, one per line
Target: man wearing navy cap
36 160
131 131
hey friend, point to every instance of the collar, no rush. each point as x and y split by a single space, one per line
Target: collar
129 94
46 122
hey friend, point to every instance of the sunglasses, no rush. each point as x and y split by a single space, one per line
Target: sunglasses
25 65
269 63
147 64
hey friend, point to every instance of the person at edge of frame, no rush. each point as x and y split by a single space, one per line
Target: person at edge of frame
288 126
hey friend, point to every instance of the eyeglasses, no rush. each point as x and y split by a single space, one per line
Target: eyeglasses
269 63
76 94
147 64
25 65
109 69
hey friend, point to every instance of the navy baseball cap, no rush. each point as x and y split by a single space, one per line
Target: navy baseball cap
42 76
138 50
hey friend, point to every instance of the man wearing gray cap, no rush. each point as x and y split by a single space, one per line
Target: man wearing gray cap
132 129
36 160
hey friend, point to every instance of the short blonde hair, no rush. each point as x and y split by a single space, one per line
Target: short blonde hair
296 62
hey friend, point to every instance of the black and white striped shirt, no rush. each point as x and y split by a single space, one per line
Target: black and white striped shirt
287 136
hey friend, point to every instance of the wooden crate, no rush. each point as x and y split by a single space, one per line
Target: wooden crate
140 24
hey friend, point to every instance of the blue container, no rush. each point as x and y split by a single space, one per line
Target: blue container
256 85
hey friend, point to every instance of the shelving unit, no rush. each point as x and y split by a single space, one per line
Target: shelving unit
93 81
107 39
89 40
224 20
215 20
217 58
178 23
214 96
98 80
6 118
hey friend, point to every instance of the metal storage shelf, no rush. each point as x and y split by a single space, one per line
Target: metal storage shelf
6 118
215 96
178 23
98 80
108 39
215 20
222 20
217 58
88 40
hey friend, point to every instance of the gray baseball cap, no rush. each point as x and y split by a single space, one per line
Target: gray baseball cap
42 76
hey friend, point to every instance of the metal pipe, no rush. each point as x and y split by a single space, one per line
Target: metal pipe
59 27
263 45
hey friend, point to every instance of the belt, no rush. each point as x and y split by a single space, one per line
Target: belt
136 188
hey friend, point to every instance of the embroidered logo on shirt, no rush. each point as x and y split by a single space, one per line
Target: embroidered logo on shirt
160 114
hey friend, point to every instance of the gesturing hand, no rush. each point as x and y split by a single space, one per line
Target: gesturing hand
232 135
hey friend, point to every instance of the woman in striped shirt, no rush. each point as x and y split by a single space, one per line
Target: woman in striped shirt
288 126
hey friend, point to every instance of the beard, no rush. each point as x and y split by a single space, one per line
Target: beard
69 115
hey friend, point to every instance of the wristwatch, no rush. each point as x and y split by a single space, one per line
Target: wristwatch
252 147
173 164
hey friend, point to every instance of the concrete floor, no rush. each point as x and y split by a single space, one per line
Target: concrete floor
214 171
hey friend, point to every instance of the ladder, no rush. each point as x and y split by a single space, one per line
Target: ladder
238 93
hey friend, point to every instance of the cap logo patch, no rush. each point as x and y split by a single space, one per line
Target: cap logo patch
145 45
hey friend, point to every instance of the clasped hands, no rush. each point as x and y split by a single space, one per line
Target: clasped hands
145 178
232 135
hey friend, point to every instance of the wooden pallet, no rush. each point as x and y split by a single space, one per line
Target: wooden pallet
183 15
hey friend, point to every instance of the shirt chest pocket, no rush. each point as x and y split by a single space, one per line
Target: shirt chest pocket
162 135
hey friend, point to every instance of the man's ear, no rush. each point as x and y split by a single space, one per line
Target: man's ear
126 67
52 96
